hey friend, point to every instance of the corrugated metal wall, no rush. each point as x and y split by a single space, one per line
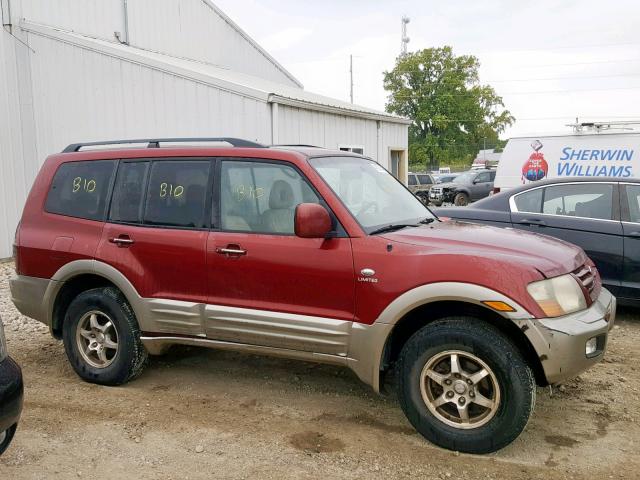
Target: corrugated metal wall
83 95
184 28
96 18
17 163
192 29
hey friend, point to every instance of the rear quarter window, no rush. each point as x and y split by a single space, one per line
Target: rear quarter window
79 189
529 201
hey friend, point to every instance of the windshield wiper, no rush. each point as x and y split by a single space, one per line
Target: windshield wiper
392 228
427 221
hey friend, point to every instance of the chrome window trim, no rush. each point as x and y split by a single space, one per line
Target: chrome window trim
514 208
634 184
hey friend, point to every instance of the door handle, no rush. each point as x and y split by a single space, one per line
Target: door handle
634 235
231 250
122 241
533 221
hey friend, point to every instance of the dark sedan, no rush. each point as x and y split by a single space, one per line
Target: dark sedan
601 215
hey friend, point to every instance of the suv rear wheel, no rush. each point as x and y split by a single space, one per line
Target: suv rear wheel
464 386
102 338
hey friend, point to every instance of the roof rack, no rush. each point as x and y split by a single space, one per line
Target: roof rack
155 142
301 145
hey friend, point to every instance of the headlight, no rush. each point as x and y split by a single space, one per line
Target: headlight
558 296
3 343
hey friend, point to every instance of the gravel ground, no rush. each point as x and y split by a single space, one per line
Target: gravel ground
198 413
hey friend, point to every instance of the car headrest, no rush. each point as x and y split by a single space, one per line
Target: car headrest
281 196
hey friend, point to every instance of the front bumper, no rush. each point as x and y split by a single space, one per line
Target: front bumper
561 342
11 393
441 196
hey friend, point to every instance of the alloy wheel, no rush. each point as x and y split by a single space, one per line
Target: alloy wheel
97 339
460 389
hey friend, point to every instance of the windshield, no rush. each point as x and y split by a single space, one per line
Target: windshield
374 197
465 178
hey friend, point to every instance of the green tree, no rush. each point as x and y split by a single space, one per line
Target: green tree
453 114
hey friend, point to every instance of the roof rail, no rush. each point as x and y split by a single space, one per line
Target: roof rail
302 145
155 142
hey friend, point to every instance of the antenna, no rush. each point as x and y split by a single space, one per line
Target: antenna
405 39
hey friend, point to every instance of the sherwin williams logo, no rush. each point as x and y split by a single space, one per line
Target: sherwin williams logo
615 162
536 168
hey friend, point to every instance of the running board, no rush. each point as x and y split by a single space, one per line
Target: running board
159 345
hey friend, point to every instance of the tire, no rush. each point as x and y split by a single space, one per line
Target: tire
115 324
461 199
510 385
6 437
423 197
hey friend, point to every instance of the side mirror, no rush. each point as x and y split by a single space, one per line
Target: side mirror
311 221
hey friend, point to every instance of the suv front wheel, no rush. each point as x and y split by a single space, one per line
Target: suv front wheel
102 338
464 386
461 200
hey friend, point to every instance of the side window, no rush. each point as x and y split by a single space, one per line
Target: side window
425 179
588 200
261 197
176 195
79 189
483 177
633 197
530 201
412 180
492 176
128 191
352 148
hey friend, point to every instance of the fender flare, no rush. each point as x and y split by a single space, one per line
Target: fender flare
366 348
92 267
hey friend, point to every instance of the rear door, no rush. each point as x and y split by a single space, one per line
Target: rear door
630 203
156 235
585 214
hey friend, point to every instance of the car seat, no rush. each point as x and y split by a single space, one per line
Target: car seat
279 217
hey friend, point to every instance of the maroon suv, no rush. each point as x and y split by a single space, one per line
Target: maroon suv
303 253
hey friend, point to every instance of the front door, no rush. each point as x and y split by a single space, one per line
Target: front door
631 225
157 240
267 286
481 186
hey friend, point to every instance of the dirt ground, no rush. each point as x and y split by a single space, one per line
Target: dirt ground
199 413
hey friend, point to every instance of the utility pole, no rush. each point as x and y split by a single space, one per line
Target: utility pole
351 76
405 39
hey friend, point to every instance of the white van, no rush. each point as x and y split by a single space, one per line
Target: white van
529 159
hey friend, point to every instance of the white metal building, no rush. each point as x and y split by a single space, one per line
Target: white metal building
84 70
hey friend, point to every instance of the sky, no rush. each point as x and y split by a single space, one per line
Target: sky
551 61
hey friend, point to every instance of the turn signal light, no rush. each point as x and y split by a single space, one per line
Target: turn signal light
499 306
